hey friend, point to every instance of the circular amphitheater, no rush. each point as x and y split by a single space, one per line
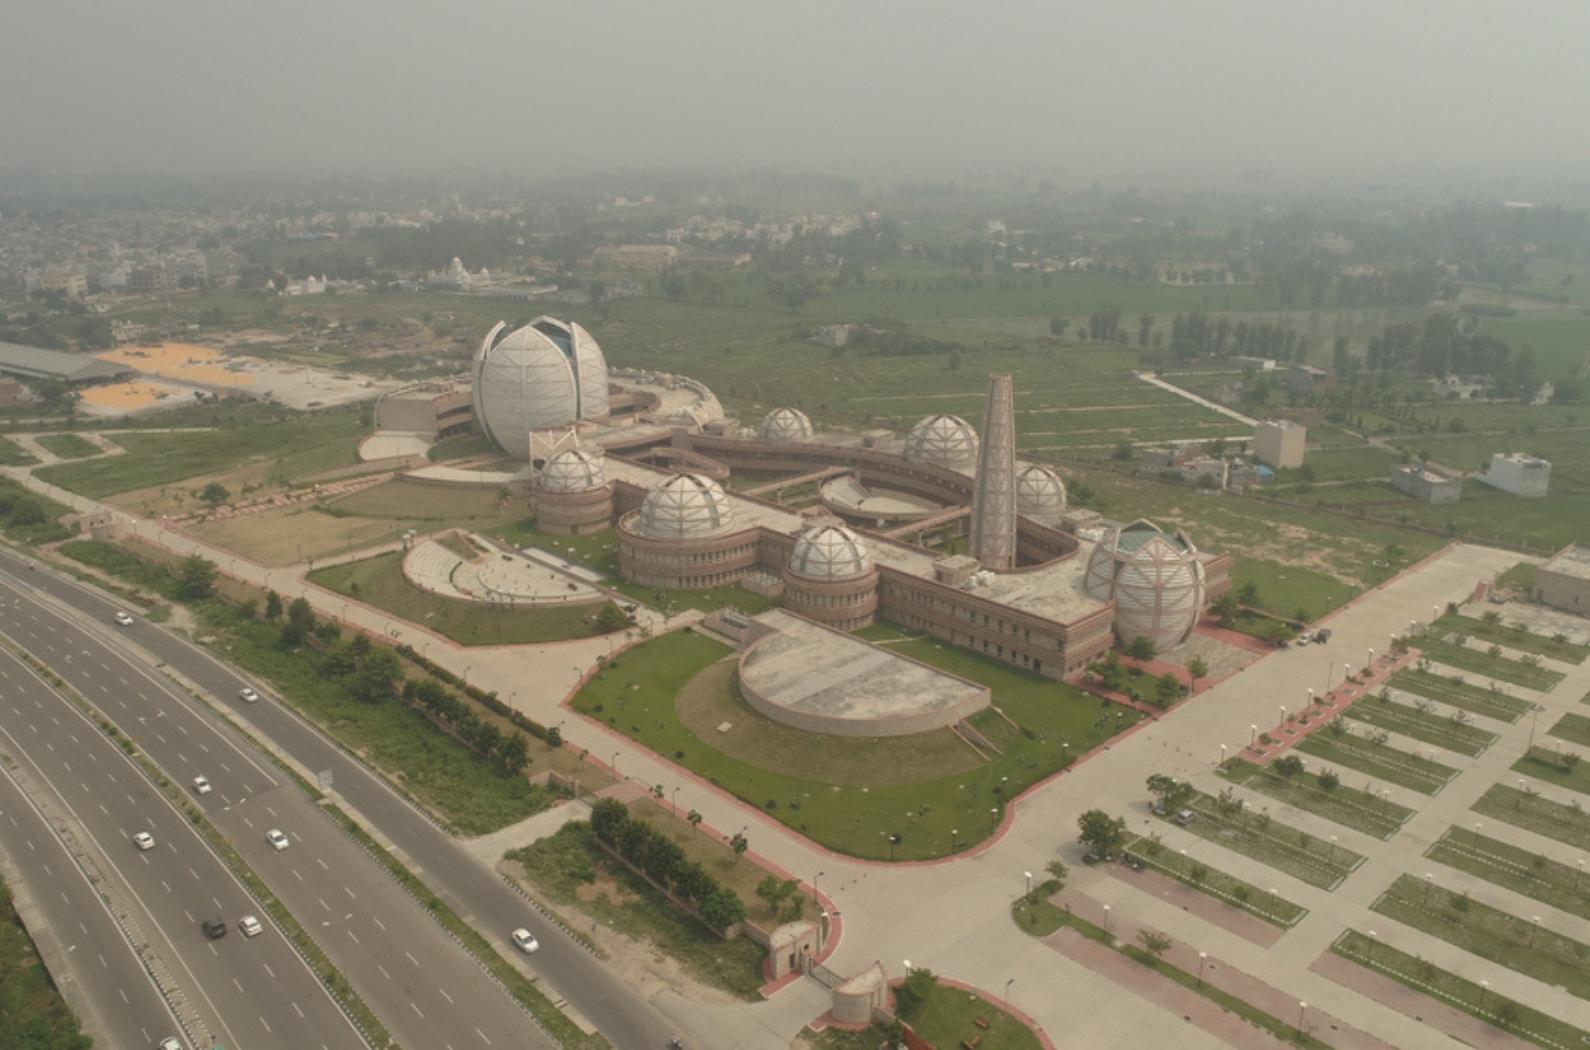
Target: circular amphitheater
496 576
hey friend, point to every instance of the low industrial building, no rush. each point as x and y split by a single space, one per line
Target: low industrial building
1426 483
1518 473
1280 443
436 410
36 363
1564 581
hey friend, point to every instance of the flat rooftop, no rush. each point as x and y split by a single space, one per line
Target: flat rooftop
1574 561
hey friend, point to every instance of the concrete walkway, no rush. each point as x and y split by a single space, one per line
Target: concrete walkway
1213 406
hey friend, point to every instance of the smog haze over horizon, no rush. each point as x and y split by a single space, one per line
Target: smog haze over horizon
1158 93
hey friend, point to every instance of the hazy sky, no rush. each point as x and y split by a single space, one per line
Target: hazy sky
1388 88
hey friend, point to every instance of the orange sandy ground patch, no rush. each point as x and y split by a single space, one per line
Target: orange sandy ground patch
184 361
130 395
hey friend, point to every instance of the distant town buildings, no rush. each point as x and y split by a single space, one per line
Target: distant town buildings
455 276
1426 483
1518 473
71 283
636 256
1564 581
1279 443
147 280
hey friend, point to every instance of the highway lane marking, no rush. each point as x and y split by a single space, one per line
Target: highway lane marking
297 1011
229 769
123 993
66 765
103 810
31 846
317 860
269 970
57 721
297 876
349 893
195 876
33 727
166 884
355 939
376 919
413 960
160 738
111 775
267 1026
417 1009
182 758
239 986
388 976
48 872
323 903
65 898
132 800
250 823
447 997
272 812
183 730
73 737
102 962
203 748
50 746
188 913
483 1037
213 951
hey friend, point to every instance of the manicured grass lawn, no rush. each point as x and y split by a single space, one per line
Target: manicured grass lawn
946 1019
1269 841
32 1012
14 455
1345 805
575 872
70 446
1534 812
1575 728
1228 889
1562 768
1513 638
1520 578
379 581
1509 940
934 814
1501 668
1378 760
1550 882
460 446
1455 692
1423 725
1473 999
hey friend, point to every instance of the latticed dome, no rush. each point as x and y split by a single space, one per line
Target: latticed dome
948 441
786 424
830 552
571 470
1155 580
1040 494
684 506
548 374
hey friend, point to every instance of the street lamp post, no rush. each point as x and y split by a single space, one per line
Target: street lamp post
1222 754
1429 883
1007 993
1302 1012
1203 957
1029 881
1253 735
615 766
1106 918
1372 936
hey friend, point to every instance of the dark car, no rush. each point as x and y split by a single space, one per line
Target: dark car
214 929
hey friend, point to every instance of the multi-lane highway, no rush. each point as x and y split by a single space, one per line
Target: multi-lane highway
626 1018
423 985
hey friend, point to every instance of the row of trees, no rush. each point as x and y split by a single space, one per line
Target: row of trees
649 851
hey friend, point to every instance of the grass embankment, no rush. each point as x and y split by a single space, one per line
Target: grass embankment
1514 637
1390 764
1490 933
29 518
1227 889
1534 812
851 795
1453 691
1426 726
1268 841
379 581
33 1016
574 871
1473 999
1562 768
69 446
1347 806
14 455
1573 728
1533 875
460 446
1501 668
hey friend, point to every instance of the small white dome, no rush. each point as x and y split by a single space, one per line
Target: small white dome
948 441
1040 494
572 470
786 424
829 552
684 506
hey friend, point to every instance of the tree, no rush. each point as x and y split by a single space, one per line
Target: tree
1100 832
1154 943
1140 648
1058 326
196 578
1288 766
1123 452
739 844
215 494
721 908
1058 873
1196 669
775 891
1248 594
695 818
609 817
611 618
1225 608
692 882
378 677
1329 780
598 293
513 754
300 621
1167 689
273 606
914 992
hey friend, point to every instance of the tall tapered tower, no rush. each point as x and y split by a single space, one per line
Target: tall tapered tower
994 504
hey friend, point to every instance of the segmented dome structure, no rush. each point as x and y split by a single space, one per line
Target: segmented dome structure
572 470
830 552
1156 581
786 424
684 506
1040 494
548 374
948 441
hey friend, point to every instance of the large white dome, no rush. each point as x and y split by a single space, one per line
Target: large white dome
786 424
948 441
829 552
1156 581
1040 494
548 374
572 470
684 506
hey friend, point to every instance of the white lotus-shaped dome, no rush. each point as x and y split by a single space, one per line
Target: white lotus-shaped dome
948 441
684 506
786 424
572 470
829 552
1156 581
548 374
1040 494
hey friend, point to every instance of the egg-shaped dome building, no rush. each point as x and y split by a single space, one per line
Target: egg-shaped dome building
546 375
1040 494
948 441
830 578
684 536
786 424
571 495
1155 580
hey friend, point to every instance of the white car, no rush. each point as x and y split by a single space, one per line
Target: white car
277 840
525 941
144 841
250 926
201 785
125 619
170 1042
249 696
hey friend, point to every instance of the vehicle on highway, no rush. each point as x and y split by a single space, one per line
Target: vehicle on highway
214 929
169 1043
277 840
201 785
249 696
125 619
250 926
144 841
525 941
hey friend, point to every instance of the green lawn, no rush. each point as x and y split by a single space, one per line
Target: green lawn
1575 728
1455 692
1422 724
14 455
1501 668
1562 768
379 581
28 518
1561 886
460 446
1378 760
1509 940
1448 988
1344 805
1532 811
1269 841
70 446
33 1016
1228 889
1513 637
946 1018
933 815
